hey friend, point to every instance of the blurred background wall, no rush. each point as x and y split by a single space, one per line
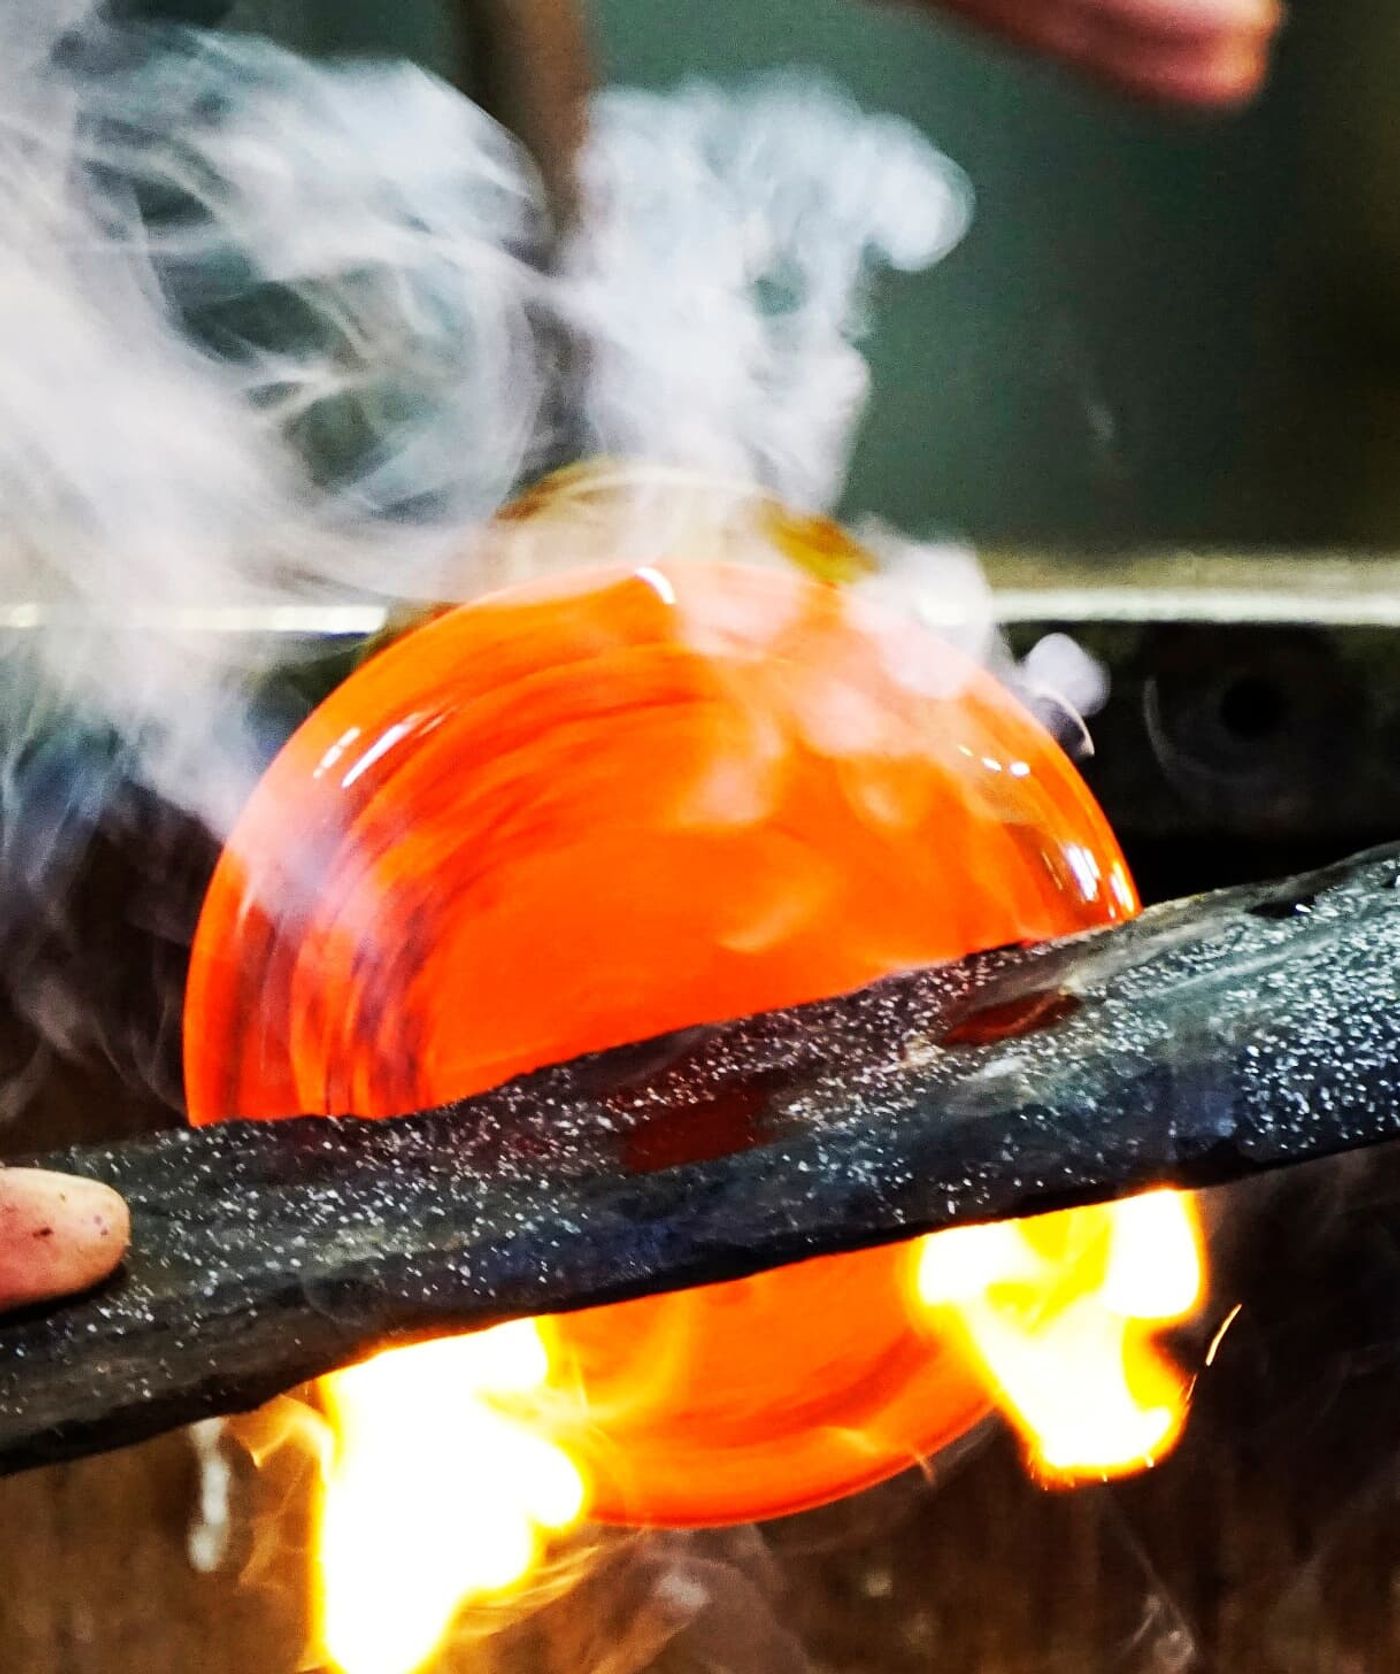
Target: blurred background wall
1161 329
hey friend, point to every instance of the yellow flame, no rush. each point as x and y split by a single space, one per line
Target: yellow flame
1060 1313
437 1488
434 1493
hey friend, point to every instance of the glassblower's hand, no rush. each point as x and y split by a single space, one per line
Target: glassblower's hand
1198 52
58 1235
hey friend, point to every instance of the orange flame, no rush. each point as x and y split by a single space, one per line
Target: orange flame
423 1514
433 1494
1060 1313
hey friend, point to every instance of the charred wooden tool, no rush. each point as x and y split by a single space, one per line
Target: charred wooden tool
1207 1040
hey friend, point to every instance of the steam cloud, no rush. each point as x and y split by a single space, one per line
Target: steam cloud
718 277
278 338
280 334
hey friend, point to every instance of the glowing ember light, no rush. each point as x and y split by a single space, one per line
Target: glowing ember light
597 809
1061 1311
493 1493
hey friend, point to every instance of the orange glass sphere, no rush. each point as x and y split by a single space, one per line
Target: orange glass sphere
602 807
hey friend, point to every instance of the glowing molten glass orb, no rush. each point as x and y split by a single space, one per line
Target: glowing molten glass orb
602 807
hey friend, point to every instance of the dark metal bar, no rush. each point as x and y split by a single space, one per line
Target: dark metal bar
1206 1041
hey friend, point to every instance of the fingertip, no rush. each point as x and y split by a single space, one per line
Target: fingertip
59 1234
1222 80
1198 20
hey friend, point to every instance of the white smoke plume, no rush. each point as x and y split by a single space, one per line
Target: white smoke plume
719 274
276 338
280 333
257 356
